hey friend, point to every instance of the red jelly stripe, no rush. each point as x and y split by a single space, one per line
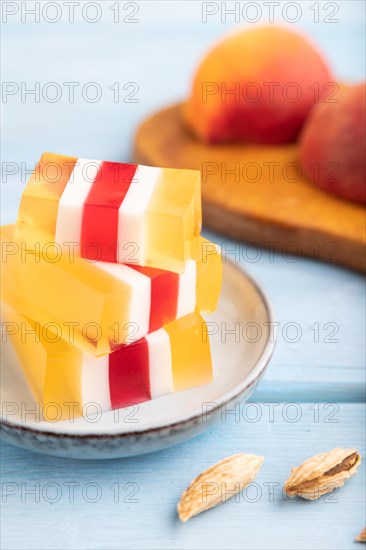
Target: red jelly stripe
100 210
164 295
129 379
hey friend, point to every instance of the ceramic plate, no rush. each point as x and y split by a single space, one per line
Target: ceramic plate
242 344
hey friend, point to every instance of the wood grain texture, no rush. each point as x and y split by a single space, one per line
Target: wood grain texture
261 519
258 194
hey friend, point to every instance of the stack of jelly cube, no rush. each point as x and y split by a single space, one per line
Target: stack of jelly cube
105 277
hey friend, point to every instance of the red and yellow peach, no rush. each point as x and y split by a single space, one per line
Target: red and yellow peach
256 86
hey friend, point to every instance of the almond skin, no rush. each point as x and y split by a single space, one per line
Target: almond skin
218 483
322 473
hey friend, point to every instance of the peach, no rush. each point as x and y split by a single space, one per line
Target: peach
256 86
333 144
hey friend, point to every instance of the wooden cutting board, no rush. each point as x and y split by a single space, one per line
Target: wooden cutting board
258 194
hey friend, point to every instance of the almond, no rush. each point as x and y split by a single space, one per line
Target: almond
218 483
322 473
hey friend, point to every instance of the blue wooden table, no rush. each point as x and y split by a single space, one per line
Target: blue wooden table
311 399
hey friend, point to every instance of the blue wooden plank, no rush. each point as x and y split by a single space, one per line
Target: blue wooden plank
308 392
260 520
320 313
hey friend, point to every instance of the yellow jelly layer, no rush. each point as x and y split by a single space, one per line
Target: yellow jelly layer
80 301
173 219
52 367
39 203
190 351
209 275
